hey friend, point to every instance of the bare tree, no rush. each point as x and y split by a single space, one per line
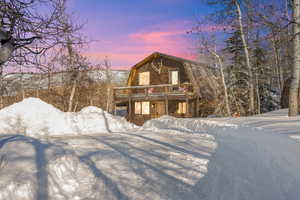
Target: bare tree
26 31
208 44
75 63
247 57
231 13
108 80
293 98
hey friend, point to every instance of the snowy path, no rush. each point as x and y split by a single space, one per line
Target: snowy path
251 164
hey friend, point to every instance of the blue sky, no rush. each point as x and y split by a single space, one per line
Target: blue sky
126 31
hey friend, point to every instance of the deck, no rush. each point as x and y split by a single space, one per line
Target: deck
153 92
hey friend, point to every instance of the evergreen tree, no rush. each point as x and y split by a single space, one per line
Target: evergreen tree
237 72
266 92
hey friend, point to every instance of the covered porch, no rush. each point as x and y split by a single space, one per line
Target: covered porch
152 101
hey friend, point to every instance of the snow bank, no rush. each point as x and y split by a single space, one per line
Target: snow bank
185 125
33 117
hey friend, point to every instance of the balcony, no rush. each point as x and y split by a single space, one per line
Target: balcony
154 92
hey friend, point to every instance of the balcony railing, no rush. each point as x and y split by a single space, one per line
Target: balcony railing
153 91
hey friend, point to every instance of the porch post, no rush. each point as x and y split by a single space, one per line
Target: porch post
166 101
187 105
115 108
129 105
114 111
197 106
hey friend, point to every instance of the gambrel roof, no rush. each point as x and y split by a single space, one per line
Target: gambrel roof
201 75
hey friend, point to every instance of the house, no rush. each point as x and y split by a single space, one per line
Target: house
162 84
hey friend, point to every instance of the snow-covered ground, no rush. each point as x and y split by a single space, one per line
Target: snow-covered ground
273 122
167 158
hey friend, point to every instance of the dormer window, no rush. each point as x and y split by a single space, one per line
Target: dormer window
144 78
174 79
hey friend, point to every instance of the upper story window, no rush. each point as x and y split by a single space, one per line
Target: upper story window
174 79
144 78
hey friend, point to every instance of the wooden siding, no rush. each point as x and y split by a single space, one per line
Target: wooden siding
161 91
139 119
162 78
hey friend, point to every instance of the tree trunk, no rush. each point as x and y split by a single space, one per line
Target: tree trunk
277 63
109 99
21 83
228 112
227 107
74 85
250 74
72 67
293 98
108 86
257 94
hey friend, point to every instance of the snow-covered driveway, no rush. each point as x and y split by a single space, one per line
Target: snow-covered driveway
252 164
168 163
249 163
141 165
94 155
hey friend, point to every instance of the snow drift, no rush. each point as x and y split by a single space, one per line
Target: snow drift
33 117
185 125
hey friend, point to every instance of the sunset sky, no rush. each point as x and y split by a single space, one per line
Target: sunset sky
126 31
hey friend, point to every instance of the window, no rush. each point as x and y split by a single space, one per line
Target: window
181 108
145 108
174 77
142 108
137 108
144 78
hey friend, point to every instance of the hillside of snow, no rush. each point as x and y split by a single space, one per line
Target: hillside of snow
250 158
15 81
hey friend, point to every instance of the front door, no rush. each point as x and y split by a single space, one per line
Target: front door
158 109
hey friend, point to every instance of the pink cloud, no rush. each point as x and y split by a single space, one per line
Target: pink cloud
169 38
153 37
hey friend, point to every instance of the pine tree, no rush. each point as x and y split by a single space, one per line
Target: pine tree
266 93
237 72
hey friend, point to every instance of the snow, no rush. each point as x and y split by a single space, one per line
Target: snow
36 118
142 165
184 125
37 80
247 158
276 122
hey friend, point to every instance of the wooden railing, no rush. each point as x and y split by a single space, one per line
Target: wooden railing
153 91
